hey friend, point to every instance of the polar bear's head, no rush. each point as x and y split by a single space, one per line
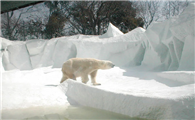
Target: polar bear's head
107 64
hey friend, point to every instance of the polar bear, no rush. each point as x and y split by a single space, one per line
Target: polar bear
82 67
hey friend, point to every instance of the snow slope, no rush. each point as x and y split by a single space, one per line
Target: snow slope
32 93
134 93
154 77
173 41
128 91
123 50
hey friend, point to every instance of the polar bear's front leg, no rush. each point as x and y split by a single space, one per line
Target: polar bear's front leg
64 77
85 79
93 77
72 76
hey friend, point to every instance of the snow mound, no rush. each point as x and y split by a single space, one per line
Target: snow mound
123 50
5 42
46 58
111 32
169 43
64 51
35 46
133 96
137 93
169 50
187 58
19 56
169 39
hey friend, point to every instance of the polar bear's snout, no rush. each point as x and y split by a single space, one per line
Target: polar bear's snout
109 64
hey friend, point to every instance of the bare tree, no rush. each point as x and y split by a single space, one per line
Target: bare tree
151 11
57 18
9 24
31 29
148 11
85 17
91 17
173 8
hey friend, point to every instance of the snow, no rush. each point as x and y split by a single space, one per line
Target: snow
35 49
46 59
127 91
111 32
19 56
168 39
31 93
35 46
188 54
122 50
153 77
65 50
151 59
184 25
6 62
135 93
185 77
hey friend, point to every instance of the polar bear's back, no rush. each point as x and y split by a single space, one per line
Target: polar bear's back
84 63
77 66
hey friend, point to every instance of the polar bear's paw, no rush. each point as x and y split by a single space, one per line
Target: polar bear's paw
96 84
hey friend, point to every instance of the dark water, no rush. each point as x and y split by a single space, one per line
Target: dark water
94 114
84 113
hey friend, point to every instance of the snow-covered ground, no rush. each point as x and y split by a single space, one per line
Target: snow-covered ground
136 94
153 77
32 92
128 91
